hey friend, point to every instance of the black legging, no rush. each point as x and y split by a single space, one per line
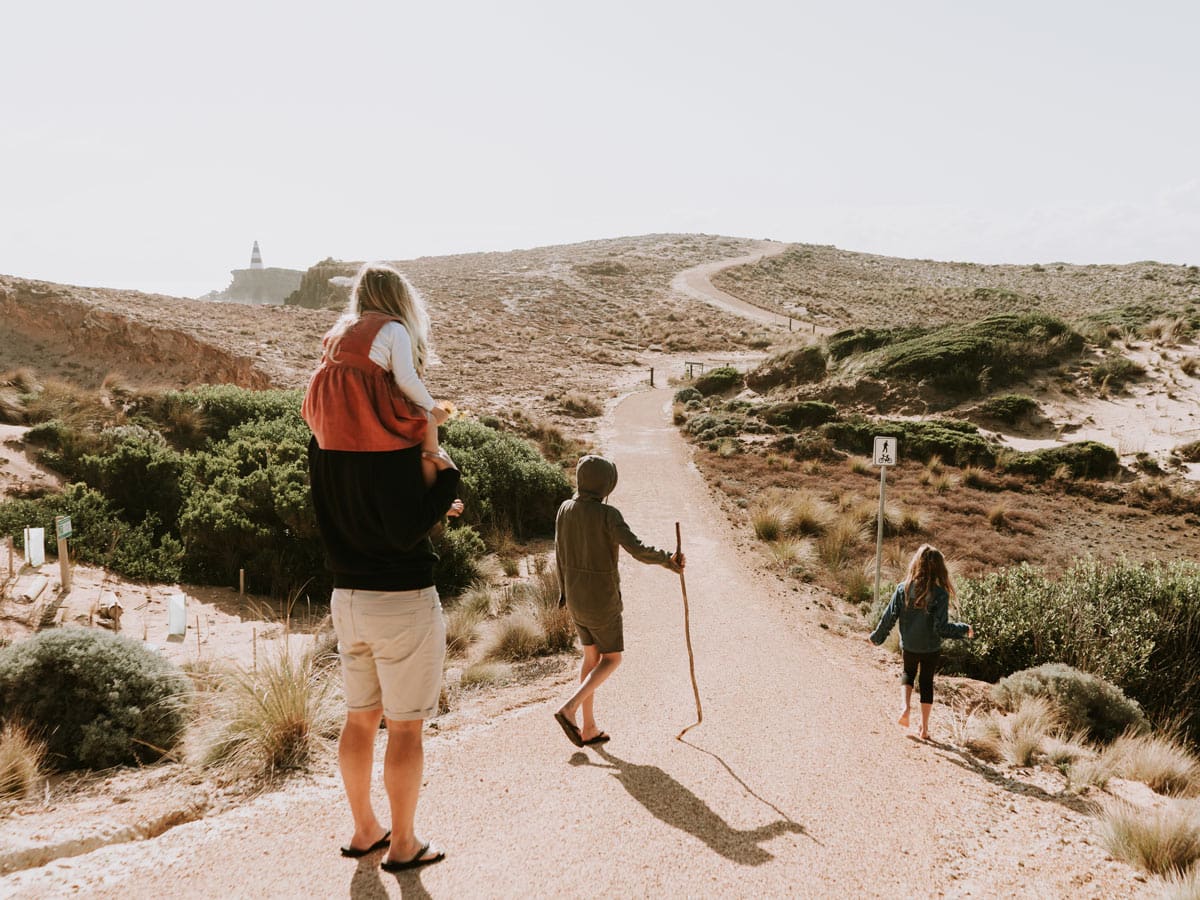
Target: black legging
927 663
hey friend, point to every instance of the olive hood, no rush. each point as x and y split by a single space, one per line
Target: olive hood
595 476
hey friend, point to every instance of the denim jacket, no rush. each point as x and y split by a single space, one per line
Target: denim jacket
921 630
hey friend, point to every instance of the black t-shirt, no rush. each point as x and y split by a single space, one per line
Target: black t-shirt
375 513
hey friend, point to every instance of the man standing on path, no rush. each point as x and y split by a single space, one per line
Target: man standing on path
374 514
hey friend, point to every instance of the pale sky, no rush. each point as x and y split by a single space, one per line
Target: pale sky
147 145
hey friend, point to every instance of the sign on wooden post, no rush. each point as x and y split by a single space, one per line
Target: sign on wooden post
884 455
62 528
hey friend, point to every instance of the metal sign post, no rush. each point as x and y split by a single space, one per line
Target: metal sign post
62 527
884 456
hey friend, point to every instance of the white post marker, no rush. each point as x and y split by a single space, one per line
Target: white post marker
35 547
62 528
884 456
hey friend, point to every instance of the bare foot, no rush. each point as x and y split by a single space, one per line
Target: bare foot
590 732
903 720
924 735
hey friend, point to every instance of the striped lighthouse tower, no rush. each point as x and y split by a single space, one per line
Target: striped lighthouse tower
255 257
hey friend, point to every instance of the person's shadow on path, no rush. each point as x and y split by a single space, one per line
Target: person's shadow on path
367 883
670 802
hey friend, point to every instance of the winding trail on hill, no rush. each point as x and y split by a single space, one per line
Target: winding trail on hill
695 283
797 784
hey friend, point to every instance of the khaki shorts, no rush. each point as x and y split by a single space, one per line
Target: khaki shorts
392 645
608 638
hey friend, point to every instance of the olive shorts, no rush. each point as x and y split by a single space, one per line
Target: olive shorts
392 645
608 638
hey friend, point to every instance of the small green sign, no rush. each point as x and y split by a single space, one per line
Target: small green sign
62 526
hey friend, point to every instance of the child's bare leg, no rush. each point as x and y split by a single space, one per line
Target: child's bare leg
591 659
905 704
429 445
596 676
926 709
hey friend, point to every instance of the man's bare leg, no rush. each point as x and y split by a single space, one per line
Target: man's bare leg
403 765
356 757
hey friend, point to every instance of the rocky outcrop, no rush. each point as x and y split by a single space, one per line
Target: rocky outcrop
259 286
316 291
51 326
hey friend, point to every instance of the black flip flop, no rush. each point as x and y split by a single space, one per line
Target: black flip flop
569 728
416 862
601 738
355 853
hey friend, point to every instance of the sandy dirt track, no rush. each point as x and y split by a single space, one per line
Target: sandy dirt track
797 784
695 283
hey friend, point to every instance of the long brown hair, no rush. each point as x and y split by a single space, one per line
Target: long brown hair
926 570
381 288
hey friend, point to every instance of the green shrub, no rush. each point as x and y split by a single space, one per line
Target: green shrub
220 408
110 700
802 365
968 358
860 340
1084 459
1086 702
1116 371
710 426
1134 624
688 393
797 415
950 439
459 549
718 381
1009 408
249 506
506 483
140 476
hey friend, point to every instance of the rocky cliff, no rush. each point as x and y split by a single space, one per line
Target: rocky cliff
315 291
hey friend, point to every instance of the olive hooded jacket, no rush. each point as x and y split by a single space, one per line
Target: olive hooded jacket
587 536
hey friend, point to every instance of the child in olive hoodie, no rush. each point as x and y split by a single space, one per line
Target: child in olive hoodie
921 604
587 536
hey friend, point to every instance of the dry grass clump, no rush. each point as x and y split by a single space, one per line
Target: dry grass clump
934 465
998 517
579 406
517 637
484 674
1190 365
977 478
769 519
1016 738
860 465
558 628
839 542
807 513
23 380
1182 885
858 582
1161 841
274 717
12 410
1159 761
477 599
462 630
22 761
790 552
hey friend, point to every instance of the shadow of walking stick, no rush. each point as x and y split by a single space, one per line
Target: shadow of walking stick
672 803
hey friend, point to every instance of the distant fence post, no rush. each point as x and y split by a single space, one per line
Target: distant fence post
652 376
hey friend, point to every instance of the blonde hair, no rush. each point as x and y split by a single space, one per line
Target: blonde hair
380 288
926 569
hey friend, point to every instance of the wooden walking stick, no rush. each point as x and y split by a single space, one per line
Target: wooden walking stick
687 631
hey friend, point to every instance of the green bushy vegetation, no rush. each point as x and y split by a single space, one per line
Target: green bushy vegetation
971 357
1137 625
507 485
459 549
199 484
1009 408
718 381
1084 459
1085 701
860 340
1116 371
797 415
801 365
953 440
110 700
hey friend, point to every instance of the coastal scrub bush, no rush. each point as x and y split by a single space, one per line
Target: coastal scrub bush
1083 459
683 395
797 415
110 700
1116 371
1007 347
1009 408
459 549
860 340
711 426
140 476
801 365
506 484
1134 624
1085 701
217 409
952 440
718 381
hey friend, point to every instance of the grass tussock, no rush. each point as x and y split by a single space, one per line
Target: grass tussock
22 761
1182 885
516 637
484 675
1159 761
839 543
1160 841
462 630
275 717
1016 738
